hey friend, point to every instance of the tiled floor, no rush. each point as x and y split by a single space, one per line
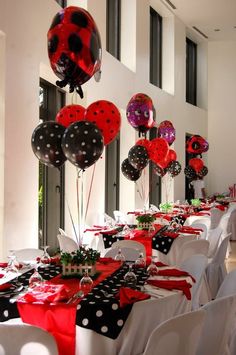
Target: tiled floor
231 261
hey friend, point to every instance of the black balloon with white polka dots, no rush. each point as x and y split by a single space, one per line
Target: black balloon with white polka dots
82 144
138 157
46 143
129 171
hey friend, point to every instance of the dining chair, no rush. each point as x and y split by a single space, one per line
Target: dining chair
217 326
216 270
28 254
26 339
214 238
193 247
203 221
195 265
129 253
216 215
202 226
130 244
67 244
178 335
62 232
232 225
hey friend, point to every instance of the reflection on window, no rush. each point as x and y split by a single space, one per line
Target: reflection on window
41 96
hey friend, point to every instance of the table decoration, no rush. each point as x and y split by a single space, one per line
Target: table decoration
196 202
79 262
166 207
145 221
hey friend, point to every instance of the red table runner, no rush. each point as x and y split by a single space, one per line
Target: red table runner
59 318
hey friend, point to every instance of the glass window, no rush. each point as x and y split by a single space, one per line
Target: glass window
62 3
155 48
113 27
191 72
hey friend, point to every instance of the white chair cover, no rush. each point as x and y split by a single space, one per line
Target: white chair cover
130 244
129 253
216 270
216 215
26 339
232 225
204 233
28 254
67 244
193 247
214 238
178 335
62 232
195 265
217 326
206 221
228 286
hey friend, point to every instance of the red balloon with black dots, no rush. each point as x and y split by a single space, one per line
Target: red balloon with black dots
70 114
106 116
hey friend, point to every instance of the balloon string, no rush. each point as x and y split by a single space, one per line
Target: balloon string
138 190
72 221
90 189
82 206
78 204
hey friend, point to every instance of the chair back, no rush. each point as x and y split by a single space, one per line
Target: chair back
202 226
28 254
178 335
195 265
26 339
217 326
216 215
224 223
130 244
193 247
232 224
203 221
67 244
62 232
228 286
129 253
120 217
219 257
214 240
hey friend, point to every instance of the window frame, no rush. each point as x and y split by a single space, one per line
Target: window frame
155 55
62 3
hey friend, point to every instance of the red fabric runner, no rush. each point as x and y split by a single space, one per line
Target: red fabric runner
59 318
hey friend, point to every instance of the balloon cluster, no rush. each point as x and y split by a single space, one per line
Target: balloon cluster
78 134
74 48
157 150
196 145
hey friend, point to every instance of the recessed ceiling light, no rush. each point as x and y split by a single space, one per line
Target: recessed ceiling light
217 30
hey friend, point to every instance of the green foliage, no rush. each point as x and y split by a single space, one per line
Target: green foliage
81 256
145 218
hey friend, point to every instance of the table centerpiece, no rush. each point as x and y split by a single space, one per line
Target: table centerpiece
145 221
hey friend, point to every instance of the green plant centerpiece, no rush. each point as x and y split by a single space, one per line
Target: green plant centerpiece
77 262
195 202
145 221
166 207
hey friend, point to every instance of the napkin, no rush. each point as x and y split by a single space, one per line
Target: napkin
175 273
1 275
5 287
47 293
106 260
129 296
3 265
173 284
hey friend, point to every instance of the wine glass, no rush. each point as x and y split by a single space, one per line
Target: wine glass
45 258
152 268
119 256
140 262
130 279
86 283
13 264
35 279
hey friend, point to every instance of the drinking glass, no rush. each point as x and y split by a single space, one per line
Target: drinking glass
13 264
45 258
119 256
152 268
35 279
140 262
86 283
130 278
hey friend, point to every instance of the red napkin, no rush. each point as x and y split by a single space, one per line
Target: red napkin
106 260
92 229
158 263
190 230
5 287
1 275
173 284
3 265
221 208
170 234
129 296
174 272
47 293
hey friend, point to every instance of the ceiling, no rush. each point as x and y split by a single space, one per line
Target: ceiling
214 18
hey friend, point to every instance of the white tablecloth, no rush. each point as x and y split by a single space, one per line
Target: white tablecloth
144 317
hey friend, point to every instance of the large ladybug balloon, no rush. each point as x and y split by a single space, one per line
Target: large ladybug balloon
74 47
197 145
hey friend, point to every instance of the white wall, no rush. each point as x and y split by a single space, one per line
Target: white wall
221 115
26 60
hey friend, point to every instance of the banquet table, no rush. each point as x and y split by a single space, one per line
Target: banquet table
136 326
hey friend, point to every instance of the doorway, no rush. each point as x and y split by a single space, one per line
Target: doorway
51 194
